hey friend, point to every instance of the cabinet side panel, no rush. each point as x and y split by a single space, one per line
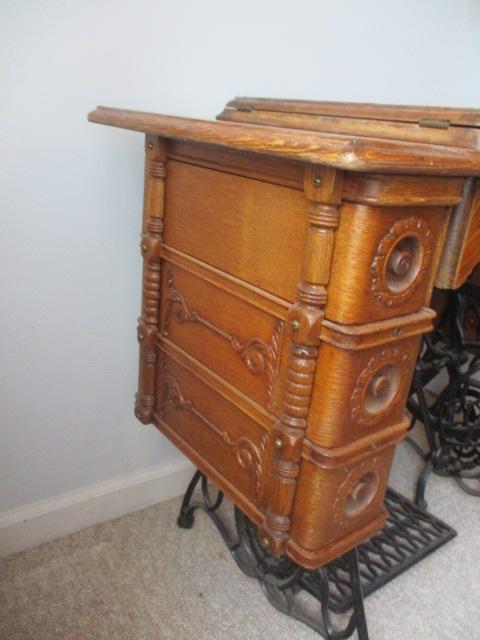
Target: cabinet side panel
234 338
250 229
471 242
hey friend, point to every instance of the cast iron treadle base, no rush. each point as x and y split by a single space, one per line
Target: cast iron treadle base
409 535
451 356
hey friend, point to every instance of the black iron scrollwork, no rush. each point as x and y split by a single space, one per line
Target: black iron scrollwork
452 418
409 535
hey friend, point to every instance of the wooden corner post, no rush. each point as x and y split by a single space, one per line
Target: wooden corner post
150 245
323 188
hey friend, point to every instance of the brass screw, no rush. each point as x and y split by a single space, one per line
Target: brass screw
398 331
264 542
278 442
317 181
150 145
295 325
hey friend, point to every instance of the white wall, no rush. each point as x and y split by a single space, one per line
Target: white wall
71 191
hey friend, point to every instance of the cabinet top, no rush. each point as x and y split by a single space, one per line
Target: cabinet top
360 111
351 136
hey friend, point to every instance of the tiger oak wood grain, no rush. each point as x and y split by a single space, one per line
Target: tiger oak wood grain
213 326
287 280
412 132
402 113
288 173
366 237
462 247
223 220
342 151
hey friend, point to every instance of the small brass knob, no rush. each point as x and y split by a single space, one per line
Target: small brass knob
317 181
144 248
141 336
264 542
278 442
295 325
150 145
398 331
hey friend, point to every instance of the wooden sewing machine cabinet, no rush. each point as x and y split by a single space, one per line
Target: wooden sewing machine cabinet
290 251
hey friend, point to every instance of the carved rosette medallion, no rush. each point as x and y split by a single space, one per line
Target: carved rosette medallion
358 491
379 386
401 261
248 455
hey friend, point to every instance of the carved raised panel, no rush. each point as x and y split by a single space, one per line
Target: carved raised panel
248 455
260 358
401 261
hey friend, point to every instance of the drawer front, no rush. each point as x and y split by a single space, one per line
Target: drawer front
340 502
250 229
235 339
384 261
370 390
219 433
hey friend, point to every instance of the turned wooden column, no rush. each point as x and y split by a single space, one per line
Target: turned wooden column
150 245
323 188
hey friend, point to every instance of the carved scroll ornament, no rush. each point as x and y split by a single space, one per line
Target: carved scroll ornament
249 456
259 357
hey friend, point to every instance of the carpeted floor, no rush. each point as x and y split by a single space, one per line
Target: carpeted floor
139 577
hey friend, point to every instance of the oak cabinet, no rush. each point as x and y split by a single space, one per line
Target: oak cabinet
290 251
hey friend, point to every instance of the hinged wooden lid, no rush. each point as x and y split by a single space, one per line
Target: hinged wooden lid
434 125
363 144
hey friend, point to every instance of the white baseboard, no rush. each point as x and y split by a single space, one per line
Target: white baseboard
42 521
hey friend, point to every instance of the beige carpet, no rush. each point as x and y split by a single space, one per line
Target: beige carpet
139 577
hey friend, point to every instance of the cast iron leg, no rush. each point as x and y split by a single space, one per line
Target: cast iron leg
422 482
358 605
185 518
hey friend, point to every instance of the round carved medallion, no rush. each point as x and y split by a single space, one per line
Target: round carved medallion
401 261
358 491
378 386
